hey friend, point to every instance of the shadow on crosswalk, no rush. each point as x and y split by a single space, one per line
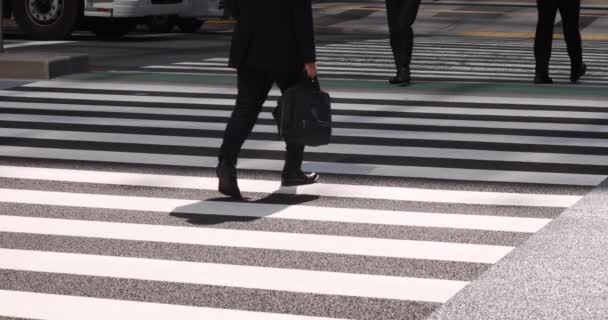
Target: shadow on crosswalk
282 201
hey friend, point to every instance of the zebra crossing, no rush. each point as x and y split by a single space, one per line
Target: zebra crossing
434 59
108 206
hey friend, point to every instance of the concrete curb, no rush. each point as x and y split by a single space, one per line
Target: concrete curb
559 273
40 65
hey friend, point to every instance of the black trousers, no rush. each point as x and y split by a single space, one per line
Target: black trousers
401 16
569 10
253 88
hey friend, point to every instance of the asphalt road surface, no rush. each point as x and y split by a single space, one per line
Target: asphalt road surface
108 202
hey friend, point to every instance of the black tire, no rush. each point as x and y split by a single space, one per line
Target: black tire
160 24
49 20
112 29
190 25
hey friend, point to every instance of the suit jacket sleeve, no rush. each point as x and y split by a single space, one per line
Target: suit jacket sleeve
304 32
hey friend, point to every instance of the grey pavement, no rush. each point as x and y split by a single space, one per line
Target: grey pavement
560 273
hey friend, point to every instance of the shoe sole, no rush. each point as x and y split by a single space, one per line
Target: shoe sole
300 184
222 189
226 193
400 83
577 79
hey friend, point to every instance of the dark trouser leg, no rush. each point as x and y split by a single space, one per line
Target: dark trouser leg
253 88
295 152
401 17
547 9
570 12
409 12
393 11
397 46
293 157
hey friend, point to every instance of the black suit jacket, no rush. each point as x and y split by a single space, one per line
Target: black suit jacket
272 35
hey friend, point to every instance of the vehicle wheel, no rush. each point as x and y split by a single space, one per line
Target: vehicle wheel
112 29
47 19
190 25
160 24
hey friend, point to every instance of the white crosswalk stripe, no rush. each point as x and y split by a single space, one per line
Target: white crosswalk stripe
419 219
108 206
256 239
387 99
434 59
331 190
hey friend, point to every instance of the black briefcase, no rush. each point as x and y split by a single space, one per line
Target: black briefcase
303 114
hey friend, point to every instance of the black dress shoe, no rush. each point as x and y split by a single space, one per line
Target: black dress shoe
298 178
226 174
577 73
542 79
403 77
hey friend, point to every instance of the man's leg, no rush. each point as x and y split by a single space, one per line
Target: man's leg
292 174
570 12
409 12
253 88
547 9
295 153
393 11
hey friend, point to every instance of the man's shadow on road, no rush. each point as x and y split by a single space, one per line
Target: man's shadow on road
203 212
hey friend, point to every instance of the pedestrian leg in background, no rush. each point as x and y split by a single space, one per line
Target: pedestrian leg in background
570 12
1 25
393 9
409 12
547 10
401 16
253 88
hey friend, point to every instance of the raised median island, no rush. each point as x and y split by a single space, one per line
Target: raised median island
41 65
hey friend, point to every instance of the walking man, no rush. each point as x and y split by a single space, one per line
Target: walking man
570 12
273 42
401 16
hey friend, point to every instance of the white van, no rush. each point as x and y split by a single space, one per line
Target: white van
56 19
190 19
